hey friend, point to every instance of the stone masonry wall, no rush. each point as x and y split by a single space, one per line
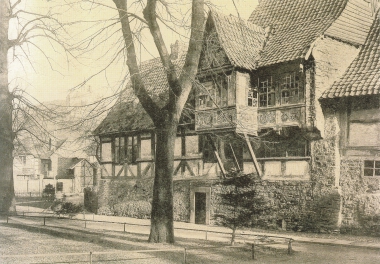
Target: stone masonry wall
360 194
291 200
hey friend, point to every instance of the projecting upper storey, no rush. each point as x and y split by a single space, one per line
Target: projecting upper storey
231 48
295 24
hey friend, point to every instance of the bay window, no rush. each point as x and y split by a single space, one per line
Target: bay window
216 92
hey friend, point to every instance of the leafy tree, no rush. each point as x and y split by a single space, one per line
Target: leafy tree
240 202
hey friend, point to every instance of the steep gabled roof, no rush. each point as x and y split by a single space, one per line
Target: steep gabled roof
128 114
64 164
363 75
125 117
242 41
295 24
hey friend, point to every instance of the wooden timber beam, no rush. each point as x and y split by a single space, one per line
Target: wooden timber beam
220 163
253 156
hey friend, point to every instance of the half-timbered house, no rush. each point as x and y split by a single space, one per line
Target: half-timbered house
254 108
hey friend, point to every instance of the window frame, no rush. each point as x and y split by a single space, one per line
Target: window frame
266 91
375 168
290 84
215 92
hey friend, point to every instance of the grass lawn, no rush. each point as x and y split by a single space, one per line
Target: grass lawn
38 202
26 240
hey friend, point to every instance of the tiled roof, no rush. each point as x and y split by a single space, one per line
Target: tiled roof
363 75
353 24
126 114
295 24
241 40
64 164
125 117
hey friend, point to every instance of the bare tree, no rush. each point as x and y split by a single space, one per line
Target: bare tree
165 118
7 201
18 111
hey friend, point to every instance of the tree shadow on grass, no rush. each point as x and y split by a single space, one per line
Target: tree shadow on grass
197 251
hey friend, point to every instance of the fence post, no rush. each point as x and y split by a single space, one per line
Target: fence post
90 257
44 220
184 255
7 218
124 227
253 251
206 234
290 247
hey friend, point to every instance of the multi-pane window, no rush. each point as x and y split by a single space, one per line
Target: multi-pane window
284 148
215 93
206 95
119 149
252 97
291 93
132 149
372 168
207 149
266 92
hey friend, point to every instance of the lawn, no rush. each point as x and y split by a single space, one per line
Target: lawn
26 240
37 202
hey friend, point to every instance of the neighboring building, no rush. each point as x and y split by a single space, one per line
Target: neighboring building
32 163
256 109
352 110
32 172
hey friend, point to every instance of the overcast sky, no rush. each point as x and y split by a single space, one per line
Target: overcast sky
46 84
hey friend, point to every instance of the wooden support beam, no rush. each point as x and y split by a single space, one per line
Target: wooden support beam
235 159
220 163
253 156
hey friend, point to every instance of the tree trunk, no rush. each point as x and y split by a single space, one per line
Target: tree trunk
161 229
7 197
233 236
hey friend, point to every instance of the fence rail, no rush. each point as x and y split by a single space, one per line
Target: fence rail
28 194
251 239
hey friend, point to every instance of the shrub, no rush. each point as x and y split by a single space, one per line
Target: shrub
240 202
135 209
49 192
90 200
66 208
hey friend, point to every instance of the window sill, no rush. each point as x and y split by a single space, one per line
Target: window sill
263 108
283 158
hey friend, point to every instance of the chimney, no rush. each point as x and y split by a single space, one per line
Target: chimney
174 50
177 49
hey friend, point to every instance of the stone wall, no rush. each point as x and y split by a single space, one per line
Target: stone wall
360 194
295 205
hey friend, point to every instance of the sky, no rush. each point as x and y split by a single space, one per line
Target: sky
52 81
